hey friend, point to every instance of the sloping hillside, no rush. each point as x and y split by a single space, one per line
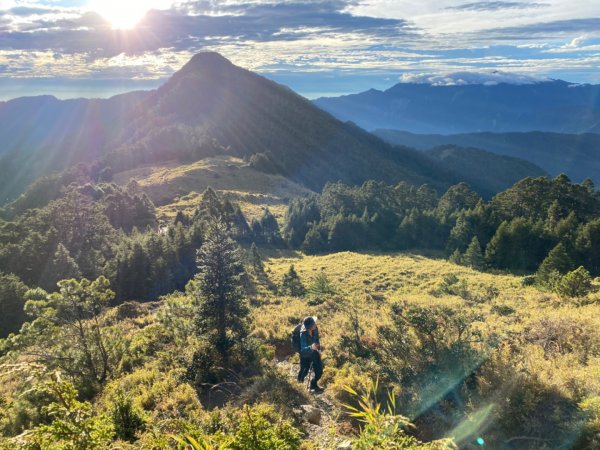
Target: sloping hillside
577 155
208 107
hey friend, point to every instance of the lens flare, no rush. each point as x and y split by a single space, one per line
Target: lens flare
127 14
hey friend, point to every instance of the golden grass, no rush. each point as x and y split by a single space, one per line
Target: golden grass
220 173
371 282
174 187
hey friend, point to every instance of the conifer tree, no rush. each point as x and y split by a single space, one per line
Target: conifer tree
181 218
63 267
554 216
270 228
12 294
291 284
210 205
473 256
72 319
321 286
456 257
577 283
558 260
221 312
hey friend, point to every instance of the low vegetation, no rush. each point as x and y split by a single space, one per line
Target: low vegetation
446 322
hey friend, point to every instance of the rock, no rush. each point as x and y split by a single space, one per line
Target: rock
346 445
312 414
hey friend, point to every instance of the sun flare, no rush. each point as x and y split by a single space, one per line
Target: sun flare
125 14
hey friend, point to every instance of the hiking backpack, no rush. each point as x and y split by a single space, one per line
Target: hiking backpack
296 338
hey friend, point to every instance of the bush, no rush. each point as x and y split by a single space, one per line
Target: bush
274 388
257 427
383 427
127 421
73 423
590 433
577 283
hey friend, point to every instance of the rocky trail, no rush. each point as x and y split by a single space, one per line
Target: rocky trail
320 415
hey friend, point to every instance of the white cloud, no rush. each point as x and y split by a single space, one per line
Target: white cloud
490 78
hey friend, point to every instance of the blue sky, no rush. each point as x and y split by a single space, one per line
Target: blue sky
96 48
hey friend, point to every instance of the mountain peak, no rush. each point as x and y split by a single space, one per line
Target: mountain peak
206 61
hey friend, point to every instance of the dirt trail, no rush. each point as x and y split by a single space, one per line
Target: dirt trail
323 436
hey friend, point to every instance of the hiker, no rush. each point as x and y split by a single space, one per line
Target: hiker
310 352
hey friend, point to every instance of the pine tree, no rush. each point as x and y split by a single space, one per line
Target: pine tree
456 257
270 228
460 234
558 260
210 206
221 312
314 241
63 267
554 215
12 294
72 319
181 218
321 287
458 197
473 256
291 284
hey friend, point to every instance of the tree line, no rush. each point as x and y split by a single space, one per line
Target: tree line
539 223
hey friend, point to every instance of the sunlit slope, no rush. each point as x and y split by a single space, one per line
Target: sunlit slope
541 356
374 281
174 187
208 107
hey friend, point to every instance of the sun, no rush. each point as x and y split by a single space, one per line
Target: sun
126 14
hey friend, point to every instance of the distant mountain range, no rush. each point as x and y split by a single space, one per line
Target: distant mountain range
553 106
212 107
577 155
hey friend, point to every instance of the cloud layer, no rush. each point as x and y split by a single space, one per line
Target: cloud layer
381 39
465 78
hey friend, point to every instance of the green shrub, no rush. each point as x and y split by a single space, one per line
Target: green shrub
127 420
577 283
383 428
73 426
252 428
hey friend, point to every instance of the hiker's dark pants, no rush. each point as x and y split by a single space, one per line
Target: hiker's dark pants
317 364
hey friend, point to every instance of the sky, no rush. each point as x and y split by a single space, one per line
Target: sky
97 48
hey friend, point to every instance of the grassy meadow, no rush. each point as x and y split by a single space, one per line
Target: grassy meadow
175 187
537 356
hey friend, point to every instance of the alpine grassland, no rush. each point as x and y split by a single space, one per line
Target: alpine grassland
479 358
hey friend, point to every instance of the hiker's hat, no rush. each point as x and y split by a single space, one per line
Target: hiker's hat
308 322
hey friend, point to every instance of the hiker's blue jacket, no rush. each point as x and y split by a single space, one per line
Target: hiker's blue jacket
306 340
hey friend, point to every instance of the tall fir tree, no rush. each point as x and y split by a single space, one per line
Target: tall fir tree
291 284
63 267
473 256
221 312
558 260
